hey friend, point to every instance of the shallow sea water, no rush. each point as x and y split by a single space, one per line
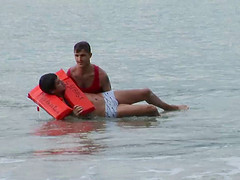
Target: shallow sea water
185 51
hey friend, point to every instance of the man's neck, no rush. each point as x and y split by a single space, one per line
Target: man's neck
85 69
61 95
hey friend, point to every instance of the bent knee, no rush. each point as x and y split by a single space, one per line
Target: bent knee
151 107
146 92
152 110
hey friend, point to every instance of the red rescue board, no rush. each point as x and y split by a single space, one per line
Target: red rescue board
55 106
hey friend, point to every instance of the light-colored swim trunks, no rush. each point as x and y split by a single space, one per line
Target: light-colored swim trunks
111 104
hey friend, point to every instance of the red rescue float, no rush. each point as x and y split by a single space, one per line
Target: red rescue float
55 106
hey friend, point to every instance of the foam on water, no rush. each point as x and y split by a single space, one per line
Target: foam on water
10 161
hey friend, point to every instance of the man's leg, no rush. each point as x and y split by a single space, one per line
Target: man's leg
137 95
124 110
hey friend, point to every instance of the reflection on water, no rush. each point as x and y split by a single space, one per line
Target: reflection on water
138 122
58 128
77 134
79 130
81 150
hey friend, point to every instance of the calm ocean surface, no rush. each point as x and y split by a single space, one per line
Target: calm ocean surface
186 51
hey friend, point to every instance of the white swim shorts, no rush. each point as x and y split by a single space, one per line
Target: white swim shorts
111 104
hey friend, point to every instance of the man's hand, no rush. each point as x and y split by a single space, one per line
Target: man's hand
77 110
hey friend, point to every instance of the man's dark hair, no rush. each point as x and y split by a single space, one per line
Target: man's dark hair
82 45
47 82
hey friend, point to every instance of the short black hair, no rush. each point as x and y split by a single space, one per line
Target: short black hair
82 45
47 82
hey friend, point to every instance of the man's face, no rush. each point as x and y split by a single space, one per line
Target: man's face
59 86
82 58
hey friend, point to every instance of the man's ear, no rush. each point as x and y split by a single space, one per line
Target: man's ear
90 55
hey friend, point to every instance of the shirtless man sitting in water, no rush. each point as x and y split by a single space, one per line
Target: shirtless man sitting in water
112 104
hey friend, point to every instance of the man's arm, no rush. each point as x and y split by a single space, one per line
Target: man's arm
104 80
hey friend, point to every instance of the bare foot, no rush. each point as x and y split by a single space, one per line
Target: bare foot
183 107
176 107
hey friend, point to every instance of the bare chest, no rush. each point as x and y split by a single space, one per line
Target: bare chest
84 81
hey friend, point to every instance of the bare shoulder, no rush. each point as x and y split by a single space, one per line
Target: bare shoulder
73 72
104 80
102 73
72 69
